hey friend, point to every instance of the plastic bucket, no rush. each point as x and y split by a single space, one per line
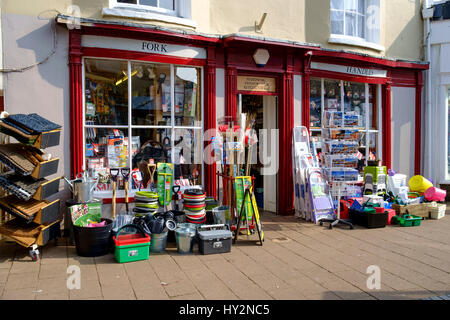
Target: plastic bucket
419 184
185 240
435 194
93 242
158 242
222 215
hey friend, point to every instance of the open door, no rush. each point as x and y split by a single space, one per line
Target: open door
270 107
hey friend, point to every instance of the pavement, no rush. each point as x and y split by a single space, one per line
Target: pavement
298 261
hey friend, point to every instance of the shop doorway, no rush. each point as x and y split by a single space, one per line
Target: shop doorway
264 110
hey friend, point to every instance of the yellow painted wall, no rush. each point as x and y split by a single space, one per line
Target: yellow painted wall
297 20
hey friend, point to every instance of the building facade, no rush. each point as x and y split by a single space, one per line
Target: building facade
120 75
437 138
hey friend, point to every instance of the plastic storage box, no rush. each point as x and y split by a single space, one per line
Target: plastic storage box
408 221
375 172
214 239
369 218
437 210
131 247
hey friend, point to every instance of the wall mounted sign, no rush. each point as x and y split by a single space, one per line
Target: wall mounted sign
143 46
256 84
365 72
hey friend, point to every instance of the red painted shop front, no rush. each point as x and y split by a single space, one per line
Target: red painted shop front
234 54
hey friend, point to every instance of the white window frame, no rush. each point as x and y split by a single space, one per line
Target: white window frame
181 15
130 126
367 130
117 4
355 40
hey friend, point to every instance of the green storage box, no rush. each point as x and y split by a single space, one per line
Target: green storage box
408 221
131 247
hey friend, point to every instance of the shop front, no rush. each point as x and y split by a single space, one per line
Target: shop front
386 96
141 96
135 102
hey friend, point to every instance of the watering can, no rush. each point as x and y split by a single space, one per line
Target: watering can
82 187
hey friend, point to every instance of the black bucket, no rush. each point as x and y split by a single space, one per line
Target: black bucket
93 242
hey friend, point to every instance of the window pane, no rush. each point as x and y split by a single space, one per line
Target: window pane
167 4
188 155
361 27
127 1
150 145
350 24
151 94
361 7
106 149
373 110
337 22
315 103
106 92
373 138
337 4
153 3
332 95
351 5
187 97
354 100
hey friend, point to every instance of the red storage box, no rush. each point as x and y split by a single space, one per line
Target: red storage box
391 214
380 210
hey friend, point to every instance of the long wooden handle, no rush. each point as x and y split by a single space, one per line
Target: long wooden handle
126 191
114 200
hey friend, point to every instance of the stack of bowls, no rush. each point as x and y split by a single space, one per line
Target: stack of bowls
194 206
145 203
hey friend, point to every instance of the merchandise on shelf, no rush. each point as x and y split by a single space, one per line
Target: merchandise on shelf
342 174
341 147
340 161
340 134
333 119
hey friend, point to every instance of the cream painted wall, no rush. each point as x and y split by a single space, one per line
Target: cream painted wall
284 21
296 20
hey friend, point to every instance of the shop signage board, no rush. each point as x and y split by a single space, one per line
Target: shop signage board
143 46
256 84
356 71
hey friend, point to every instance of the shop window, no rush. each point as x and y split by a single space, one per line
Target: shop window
349 97
356 22
129 115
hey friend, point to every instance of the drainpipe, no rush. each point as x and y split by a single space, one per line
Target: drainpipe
427 14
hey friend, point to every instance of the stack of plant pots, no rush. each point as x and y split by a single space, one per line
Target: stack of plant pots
194 206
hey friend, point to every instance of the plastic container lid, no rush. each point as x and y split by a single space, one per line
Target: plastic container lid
215 234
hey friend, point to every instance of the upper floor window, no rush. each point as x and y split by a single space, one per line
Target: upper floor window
165 6
356 22
168 11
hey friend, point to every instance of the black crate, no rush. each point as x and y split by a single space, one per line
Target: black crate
369 220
